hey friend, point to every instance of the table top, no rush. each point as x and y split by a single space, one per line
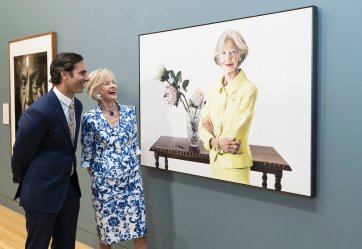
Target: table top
180 147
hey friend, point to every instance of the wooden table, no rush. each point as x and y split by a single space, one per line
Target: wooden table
266 159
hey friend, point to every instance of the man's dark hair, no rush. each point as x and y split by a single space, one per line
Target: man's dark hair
63 62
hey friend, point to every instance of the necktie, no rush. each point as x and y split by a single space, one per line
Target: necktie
71 120
71 127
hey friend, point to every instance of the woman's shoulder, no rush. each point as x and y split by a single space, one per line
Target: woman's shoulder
214 88
91 114
245 81
128 109
251 86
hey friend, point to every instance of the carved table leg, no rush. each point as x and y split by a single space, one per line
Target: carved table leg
157 163
166 163
278 181
265 179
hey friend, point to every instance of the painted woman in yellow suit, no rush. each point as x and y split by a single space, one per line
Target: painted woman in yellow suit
229 112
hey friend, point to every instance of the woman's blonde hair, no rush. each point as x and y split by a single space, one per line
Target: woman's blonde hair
96 79
238 39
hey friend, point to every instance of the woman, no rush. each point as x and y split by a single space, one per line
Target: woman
229 112
109 152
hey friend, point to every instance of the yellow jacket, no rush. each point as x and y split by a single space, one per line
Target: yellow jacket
231 110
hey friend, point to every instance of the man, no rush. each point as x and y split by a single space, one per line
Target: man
44 161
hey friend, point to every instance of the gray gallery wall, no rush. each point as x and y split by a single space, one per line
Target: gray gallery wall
187 212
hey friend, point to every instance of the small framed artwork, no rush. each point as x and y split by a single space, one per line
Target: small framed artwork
29 64
233 100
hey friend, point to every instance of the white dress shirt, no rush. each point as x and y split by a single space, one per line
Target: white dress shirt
65 102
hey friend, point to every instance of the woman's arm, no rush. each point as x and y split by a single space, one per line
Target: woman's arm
134 133
87 142
226 144
206 127
243 117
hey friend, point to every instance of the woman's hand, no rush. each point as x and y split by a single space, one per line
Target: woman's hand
207 124
229 145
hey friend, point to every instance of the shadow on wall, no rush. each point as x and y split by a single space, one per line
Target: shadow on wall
158 185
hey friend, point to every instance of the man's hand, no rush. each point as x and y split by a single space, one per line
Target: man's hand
16 180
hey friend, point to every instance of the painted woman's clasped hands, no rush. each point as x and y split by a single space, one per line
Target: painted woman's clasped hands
226 145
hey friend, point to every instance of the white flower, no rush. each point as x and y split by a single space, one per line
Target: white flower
197 98
162 74
171 95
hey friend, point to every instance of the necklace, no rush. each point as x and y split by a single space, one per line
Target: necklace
111 112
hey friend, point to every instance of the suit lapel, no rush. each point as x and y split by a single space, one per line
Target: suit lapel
57 107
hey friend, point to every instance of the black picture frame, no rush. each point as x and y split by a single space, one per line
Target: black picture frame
29 63
281 62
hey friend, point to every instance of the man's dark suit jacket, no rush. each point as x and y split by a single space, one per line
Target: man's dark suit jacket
43 155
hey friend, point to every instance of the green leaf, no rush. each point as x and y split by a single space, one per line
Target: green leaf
185 84
179 77
162 74
172 73
164 77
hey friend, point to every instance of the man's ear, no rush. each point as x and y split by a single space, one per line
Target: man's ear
64 75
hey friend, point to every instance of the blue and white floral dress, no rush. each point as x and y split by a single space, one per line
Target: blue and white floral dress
117 189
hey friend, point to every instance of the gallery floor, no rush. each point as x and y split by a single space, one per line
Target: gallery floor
13 233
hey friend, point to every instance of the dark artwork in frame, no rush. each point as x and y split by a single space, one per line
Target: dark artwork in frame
30 81
29 62
233 100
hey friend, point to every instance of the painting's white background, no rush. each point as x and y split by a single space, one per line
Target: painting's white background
24 47
279 63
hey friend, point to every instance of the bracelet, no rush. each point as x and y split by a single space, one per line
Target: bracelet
217 146
221 152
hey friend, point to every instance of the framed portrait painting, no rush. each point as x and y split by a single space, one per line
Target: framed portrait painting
233 100
29 64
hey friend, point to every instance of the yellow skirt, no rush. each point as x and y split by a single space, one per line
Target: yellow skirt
239 175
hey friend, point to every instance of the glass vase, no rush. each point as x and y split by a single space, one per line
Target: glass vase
192 124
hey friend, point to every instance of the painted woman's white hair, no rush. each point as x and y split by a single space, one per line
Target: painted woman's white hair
239 41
